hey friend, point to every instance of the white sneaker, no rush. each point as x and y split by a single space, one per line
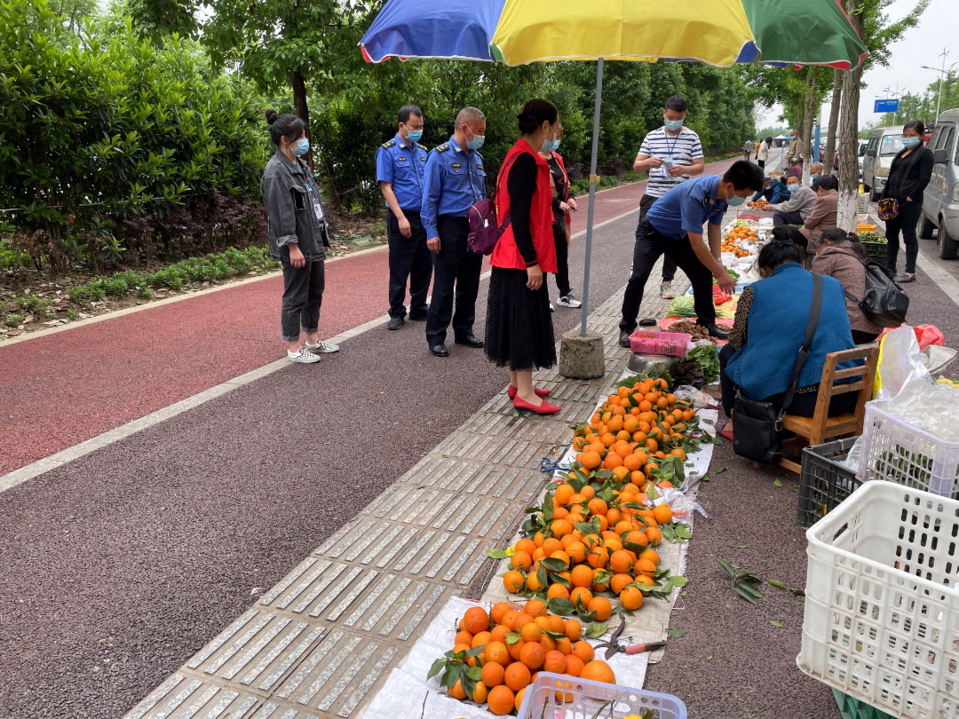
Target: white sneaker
569 301
303 357
322 348
666 291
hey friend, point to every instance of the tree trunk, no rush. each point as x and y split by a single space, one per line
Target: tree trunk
300 108
848 206
833 123
809 113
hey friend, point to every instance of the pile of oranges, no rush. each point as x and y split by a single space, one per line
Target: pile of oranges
597 532
731 242
518 642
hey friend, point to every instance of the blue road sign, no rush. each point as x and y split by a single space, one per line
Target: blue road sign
887 106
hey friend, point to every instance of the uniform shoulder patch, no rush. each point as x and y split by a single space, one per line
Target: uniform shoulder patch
442 148
388 145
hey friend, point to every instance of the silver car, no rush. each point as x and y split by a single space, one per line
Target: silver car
940 203
884 144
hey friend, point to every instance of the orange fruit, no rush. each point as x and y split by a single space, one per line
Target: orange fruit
554 661
598 671
457 648
602 607
496 652
597 506
654 536
644 580
552 545
515 648
637 537
532 655
612 461
547 642
456 691
499 633
556 623
574 665
500 700
559 527
463 637
662 513
563 493
631 598
564 645
532 581
651 554
597 557
644 566
618 581
577 550
561 555
535 608
538 539
493 673
587 493
521 559
557 590
480 693
613 515
531 632
581 593
584 651
476 620
520 621
499 611
572 629
513 581
620 562
481 639
590 459
518 702
560 513
517 676
581 576
525 545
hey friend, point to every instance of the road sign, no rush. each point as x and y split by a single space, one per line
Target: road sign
887 106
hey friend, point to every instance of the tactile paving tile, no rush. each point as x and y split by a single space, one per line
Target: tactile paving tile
187 697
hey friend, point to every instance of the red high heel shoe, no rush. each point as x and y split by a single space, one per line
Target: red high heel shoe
511 392
545 408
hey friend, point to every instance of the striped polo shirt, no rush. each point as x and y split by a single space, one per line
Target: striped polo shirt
681 149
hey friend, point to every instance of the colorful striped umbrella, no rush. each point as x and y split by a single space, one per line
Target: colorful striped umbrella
517 32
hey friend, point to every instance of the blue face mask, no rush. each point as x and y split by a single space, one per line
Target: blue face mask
814 175
735 201
414 135
301 147
673 125
476 143
555 146
910 141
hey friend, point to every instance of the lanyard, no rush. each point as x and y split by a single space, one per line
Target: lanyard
669 150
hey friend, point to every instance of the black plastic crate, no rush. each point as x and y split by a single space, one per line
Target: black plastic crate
875 251
824 482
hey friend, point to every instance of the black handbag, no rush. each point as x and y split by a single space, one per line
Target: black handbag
757 431
884 301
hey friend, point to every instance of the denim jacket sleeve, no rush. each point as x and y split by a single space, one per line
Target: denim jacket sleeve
280 209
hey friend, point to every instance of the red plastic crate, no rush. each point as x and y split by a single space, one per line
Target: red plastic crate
654 342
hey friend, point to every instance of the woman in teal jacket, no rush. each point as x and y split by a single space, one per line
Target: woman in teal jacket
769 329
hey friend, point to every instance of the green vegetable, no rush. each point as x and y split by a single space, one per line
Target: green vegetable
682 306
873 236
707 357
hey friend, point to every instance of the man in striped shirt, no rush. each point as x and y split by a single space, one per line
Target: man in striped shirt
671 154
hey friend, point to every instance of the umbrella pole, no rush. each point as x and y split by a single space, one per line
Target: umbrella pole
592 193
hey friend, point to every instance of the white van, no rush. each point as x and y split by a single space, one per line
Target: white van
940 203
883 145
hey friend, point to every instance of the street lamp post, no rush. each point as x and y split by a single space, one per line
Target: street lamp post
942 72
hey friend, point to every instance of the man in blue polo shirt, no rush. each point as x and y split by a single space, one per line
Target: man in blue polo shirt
455 180
674 227
400 166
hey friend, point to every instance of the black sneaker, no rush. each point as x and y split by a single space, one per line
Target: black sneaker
395 323
624 338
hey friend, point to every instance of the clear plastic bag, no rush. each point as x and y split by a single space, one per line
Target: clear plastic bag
900 363
699 399
680 505
852 459
930 407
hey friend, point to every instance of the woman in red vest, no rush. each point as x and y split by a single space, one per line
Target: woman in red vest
519 328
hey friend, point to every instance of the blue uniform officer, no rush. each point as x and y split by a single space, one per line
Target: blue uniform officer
455 180
400 169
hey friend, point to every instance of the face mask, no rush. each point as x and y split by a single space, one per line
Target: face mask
548 144
555 146
673 125
414 135
791 187
735 201
910 141
301 147
477 142
814 175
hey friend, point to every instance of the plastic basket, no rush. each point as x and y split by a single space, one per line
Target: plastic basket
557 696
896 451
854 709
875 251
654 342
881 620
824 482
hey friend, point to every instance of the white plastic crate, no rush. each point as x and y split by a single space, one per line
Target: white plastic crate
881 618
556 696
898 452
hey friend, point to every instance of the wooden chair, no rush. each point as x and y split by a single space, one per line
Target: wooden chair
820 427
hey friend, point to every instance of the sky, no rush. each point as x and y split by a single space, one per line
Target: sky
938 28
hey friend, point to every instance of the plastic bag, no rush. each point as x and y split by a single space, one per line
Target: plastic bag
700 400
926 335
680 505
852 459
900 363
928 406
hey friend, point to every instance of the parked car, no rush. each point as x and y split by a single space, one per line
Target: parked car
883 145
862 154
940 204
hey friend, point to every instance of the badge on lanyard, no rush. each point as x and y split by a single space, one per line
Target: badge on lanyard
317 207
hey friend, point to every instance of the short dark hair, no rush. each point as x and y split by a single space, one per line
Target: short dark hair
535 113
826 182
796 175
769 139
837 235
745 176
676 103
407 111
781 249
916 125
288 126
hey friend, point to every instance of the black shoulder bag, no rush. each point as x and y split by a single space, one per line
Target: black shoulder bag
884 301
757 427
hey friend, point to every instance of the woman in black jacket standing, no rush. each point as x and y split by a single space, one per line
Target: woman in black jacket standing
908 177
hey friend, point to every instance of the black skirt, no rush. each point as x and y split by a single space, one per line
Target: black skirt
519 327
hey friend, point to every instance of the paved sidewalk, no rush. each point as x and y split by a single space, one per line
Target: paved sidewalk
321 641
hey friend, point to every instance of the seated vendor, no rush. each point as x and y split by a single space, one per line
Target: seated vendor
769 329
774 191
840 254
823 215
796 209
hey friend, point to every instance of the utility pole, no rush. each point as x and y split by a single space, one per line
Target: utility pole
942 72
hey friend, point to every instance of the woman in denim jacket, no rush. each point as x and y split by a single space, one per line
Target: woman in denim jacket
298 235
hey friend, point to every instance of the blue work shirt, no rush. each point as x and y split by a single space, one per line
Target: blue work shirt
687 207
454 182
402 164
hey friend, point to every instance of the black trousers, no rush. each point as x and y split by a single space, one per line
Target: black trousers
562 261
650 246
302 298
762 164
669 267
905 222
781 218
411 259
861 338
454 265
803 404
